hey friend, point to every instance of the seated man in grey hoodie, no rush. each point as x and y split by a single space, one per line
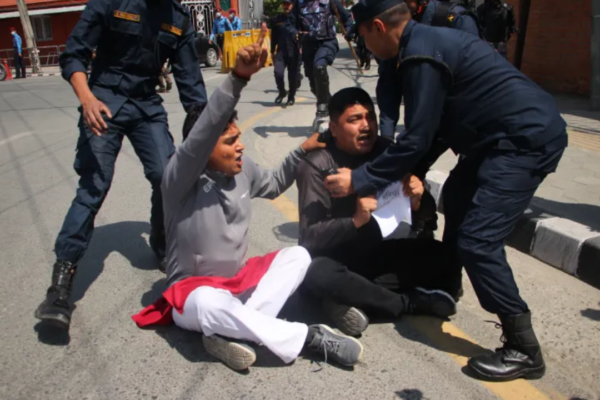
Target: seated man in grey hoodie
207 190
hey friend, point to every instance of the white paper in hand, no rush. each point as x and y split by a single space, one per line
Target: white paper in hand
393 207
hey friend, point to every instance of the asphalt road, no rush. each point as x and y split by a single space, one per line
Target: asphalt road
108 357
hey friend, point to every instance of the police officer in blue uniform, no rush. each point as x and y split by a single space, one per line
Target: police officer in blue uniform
220 26
428 12
511 135
287 54
313 23
133 39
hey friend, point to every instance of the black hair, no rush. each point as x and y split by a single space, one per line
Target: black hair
194 113
392 16
346 98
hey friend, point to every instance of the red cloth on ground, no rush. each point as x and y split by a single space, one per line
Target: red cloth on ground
248 277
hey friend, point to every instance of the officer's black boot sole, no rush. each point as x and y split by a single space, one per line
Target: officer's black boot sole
57 320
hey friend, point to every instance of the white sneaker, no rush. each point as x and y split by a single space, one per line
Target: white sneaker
237 356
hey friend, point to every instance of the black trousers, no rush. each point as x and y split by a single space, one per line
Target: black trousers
484 197
19 65
281 62
350 281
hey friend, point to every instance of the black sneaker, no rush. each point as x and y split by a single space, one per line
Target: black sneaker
350 320
342 349
291 101
431 302
237 356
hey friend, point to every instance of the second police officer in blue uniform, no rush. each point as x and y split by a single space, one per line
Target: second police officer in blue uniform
133 39
313 24
220 26
428 12
287 54
511 135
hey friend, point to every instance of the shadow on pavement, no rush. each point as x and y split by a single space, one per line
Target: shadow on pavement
591 314
586 214
123 237
51 334
410 394
287 232
428 331
291 131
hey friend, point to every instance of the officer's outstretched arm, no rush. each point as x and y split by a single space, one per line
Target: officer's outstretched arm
424 86
187 73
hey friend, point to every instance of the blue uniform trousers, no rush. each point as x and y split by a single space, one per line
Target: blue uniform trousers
280 63
317 54
95 165
483 198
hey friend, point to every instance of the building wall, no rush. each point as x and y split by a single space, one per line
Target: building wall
557 47
62 25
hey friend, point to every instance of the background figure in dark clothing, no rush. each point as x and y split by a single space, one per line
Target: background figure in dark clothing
286 54
497 19
346 243
313 24
18 54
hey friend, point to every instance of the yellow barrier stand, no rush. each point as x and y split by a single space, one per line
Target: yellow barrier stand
233 41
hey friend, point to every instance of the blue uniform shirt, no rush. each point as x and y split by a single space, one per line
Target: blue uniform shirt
133 39
220 26
458 88
389 103
17 43
282 38
236 24
316 18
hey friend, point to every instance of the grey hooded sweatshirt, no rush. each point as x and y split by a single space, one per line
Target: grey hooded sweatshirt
207 214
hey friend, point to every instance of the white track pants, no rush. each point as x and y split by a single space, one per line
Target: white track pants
216 311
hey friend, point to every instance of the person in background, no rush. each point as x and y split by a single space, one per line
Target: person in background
220 26
286 54
236 22
313 25
18 54
498 21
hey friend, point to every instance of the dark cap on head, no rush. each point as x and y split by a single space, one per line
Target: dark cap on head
364 10
286 1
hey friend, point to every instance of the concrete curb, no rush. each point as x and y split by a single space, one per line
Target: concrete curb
564 244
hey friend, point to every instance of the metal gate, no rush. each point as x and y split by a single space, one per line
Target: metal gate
251 13
203 12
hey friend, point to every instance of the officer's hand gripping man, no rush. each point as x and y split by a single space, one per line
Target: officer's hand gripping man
313 24
133 41
510 135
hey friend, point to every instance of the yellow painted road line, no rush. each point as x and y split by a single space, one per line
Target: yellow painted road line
587 141
447 337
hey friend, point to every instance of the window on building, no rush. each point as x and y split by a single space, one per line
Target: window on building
42 27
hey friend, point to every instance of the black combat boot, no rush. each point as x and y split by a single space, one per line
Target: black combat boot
158 244
57 307
291 101
520 357
280 96
323 96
